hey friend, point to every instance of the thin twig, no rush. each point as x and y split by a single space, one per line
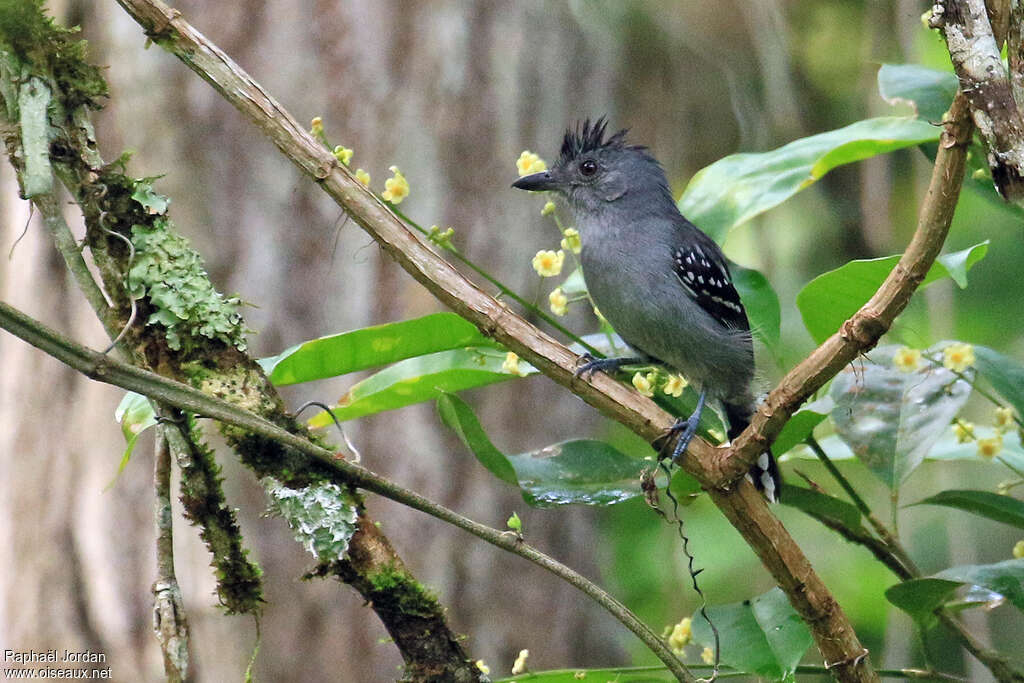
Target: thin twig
169 622
887 539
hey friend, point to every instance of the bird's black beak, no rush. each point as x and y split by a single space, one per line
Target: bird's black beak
536 182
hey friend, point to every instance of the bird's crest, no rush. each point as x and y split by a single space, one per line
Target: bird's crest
589 138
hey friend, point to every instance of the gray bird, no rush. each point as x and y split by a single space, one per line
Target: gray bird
662 283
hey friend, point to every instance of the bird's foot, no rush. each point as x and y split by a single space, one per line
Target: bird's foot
589 365
685 430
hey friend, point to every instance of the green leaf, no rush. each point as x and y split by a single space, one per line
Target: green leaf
135 413
340 354
761 302
985 503
928 91
581 471
821 506
764 636
459 417
920 597
890 418
514 523
828 300
801 424
322 516
733 190
631 674
419 379
1005 374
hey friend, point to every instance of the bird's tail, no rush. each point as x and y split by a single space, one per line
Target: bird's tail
764 473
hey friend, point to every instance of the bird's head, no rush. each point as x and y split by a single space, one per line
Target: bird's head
592 173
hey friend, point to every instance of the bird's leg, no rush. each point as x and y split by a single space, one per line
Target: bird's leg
686 428
591 365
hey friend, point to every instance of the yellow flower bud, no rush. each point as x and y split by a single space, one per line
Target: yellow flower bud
707 656
1018 550
511 364
363 177
484 669
549 208
642 383
559 302
343 154
682 634
571 240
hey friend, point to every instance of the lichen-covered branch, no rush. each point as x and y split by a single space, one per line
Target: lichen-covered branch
975 51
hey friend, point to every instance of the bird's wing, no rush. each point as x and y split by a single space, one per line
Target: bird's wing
704 275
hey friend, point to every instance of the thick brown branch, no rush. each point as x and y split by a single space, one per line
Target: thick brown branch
975 52
742 505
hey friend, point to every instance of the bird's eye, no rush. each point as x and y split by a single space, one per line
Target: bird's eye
588 167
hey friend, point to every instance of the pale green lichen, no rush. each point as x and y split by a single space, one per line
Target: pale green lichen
321 516
168 271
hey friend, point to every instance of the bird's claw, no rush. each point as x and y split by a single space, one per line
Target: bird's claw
589 365
686 429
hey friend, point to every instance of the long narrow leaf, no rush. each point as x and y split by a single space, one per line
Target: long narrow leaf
369 347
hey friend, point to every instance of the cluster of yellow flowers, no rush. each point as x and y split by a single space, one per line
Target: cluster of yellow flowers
396 188
645 383
988 447
681 635
956 357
